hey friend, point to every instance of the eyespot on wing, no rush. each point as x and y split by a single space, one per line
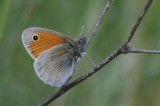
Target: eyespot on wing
45 40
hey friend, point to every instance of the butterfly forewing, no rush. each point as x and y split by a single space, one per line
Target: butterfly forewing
45 39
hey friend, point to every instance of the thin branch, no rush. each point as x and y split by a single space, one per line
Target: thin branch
99 21
72 84
138 21
116 53
144 51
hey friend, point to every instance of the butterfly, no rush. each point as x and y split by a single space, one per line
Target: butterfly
55 55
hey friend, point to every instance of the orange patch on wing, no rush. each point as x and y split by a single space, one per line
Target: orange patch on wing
46 40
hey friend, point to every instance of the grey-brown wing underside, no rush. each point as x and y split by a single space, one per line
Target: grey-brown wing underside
55 66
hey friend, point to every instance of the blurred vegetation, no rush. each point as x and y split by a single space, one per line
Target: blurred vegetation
129 80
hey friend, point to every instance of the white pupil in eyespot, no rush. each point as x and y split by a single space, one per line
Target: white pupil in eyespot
35 37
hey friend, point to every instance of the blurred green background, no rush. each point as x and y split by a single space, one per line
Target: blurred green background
129 80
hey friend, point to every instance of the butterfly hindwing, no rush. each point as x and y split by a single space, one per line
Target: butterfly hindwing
55 65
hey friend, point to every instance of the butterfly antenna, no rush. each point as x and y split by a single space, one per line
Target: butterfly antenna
80 35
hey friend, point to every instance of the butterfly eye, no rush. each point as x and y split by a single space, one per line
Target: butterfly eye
35 37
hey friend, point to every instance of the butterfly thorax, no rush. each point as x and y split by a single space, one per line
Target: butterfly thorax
80 47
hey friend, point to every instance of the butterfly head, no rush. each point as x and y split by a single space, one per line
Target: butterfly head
82 42
81 45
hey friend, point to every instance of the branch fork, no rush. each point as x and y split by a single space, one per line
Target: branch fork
124 49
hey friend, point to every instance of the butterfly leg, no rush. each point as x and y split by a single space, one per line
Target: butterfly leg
89 59
66 82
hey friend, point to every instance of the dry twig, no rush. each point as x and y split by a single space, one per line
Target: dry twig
124 48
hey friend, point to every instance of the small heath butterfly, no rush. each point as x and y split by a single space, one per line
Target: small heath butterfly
55 55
